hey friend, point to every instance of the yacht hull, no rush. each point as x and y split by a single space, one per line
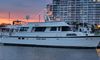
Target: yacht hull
72 42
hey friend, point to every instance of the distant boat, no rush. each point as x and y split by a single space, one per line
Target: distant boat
52 34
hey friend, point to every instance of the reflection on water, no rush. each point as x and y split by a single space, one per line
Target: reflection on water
98 52
42 53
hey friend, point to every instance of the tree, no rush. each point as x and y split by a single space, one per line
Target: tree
27 17
4 24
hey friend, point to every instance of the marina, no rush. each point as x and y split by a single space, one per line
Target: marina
50 30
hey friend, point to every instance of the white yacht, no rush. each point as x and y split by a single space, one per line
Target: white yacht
52 34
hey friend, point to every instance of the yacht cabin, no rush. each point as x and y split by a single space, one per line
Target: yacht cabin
49 29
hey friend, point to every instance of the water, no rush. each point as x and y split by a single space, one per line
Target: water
42 53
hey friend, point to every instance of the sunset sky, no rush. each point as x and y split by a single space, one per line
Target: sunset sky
20 8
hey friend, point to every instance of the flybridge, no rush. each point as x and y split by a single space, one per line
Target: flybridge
48 24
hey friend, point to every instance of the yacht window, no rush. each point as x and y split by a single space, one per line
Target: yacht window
71 35
66 28
32 29
53 29
24 28
40 29
58 28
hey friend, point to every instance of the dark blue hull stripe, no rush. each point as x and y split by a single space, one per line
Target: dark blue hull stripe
47 46
56 37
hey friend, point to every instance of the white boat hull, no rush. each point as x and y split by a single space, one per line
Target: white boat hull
54 41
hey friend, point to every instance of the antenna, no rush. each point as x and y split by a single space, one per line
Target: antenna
39 18
9 17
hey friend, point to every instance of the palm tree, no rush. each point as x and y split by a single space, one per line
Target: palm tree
27 17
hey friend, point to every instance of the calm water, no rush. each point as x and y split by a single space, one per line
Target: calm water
41 53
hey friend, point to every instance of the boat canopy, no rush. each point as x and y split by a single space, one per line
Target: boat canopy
47 24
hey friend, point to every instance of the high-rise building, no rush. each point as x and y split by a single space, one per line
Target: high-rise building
75 10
